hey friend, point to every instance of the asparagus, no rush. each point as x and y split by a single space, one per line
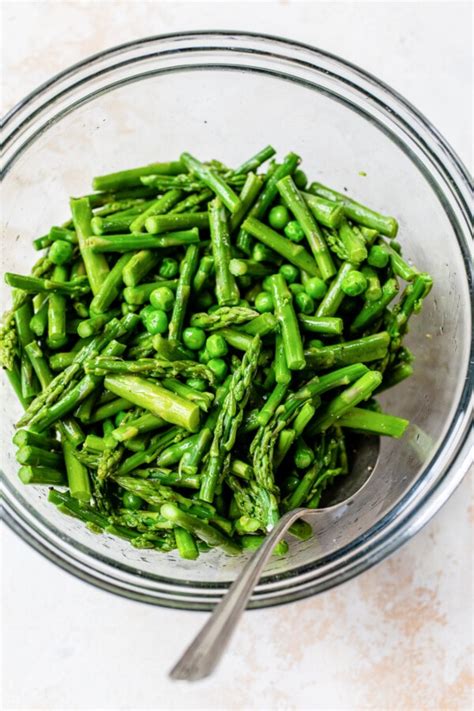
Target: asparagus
72 397
110 288
354 244
329 325
266 197
226 288
334 295
255 161
358 391
191 202
131 178
248 197
229 419
361 350
95 264
36 285
223 317
77 476
158 207
209 534
138 266
293 253
326 212
261 325
213 181
138 295
177 221
286 316
183 293
357 212
156 399
139 425
133 242
150 367
41 475
203 273
376 423
295 202
372 310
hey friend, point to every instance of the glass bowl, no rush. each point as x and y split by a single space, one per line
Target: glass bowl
225 95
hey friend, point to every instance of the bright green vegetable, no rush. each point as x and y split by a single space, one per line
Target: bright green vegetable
186 352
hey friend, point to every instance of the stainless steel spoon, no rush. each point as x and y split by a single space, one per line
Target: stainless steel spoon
203 654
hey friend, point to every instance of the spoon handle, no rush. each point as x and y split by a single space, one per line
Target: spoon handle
203 654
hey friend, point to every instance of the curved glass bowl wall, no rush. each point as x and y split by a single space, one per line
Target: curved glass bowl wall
226 95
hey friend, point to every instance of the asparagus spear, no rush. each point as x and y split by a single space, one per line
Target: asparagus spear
133 242
213 181
358 391
295 202
159 206
293 253
362 350
95 264
131 178
266 197
223 317
229 419
226 288
286 316
357 212
156 399
209 534
255 161
183 293
157 225
151 367
376 423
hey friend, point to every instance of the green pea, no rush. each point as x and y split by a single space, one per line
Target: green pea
162 298
279 217
203 356
294 231
131 501
354 284
60 252
169 268
315 343
290 272
378 257
198 384
194 338
216 346
266 284
204 300
300 179
119 418
219 368
316 288
245 281
304 303
264 302
290 483
156 321
296 288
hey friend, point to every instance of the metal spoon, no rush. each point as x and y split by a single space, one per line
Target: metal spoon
204 653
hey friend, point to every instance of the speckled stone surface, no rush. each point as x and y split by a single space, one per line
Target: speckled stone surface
397 637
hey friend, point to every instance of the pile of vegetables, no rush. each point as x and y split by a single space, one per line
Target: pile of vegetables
196 343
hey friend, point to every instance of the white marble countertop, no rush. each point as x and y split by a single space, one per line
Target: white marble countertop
399 636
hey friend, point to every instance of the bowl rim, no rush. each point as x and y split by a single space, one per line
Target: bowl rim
387 534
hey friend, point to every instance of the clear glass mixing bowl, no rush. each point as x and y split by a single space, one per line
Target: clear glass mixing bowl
226 95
